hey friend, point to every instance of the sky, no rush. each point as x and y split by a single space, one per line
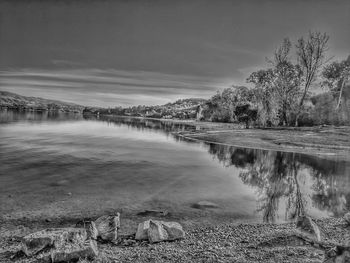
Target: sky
130 52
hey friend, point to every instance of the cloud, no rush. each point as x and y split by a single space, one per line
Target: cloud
109 87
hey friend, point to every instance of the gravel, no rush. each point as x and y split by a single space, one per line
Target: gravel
225 242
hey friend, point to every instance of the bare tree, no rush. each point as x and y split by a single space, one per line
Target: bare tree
336 75
286 81
311 56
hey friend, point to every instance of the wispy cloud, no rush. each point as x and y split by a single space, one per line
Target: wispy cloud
109 87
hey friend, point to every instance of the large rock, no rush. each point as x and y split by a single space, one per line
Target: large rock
73 252
174 230
306 225
142 231
55 237
156 231
59 245
107 227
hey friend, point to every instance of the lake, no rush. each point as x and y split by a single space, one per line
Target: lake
60 164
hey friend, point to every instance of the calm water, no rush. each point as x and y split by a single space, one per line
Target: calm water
52 165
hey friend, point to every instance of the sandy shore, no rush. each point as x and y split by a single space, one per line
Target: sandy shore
324 141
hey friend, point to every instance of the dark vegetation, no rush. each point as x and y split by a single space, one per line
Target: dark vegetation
281 94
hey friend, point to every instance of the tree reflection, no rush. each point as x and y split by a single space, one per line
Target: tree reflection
279 176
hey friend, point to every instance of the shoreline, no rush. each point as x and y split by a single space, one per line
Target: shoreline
322 141
219 242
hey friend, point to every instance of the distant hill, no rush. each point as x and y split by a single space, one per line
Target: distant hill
180 109
18 102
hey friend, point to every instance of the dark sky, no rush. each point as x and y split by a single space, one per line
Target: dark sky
150 52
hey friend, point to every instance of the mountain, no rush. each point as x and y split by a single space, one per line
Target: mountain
18 102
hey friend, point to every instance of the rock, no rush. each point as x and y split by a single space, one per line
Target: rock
90 228
156 231
153 213
204 205
69 252
107 227
142 231
174 230
307 226
347 217
36 242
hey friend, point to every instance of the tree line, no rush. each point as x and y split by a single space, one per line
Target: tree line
281 93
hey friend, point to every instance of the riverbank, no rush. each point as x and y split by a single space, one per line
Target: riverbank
325 141
222 242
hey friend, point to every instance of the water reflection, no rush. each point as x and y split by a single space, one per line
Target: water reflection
281 177
10 116
144 124
132 157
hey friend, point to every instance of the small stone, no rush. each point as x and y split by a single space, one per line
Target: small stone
204 205
157 213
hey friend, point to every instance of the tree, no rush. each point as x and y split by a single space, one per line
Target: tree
245 114
311 56
286 81
221 107
336 75
264 94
